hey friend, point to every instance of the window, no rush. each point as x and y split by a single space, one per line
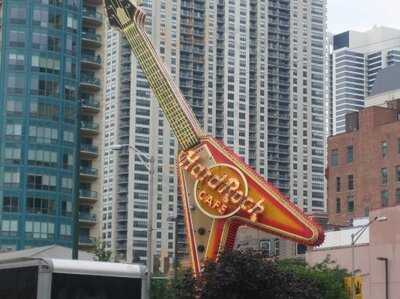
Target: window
385 198
350 204
15 85
338 184
38 205
67 184
16 61
41 182
17 15
10 204
398 145
45 64
68 160
9 228
338 205
398 173
14 107
43 135
66 208
384 176
277 247
398 195
14 130
335 157
16 39
265 247
44 110
42 158
39 230
65 231
350 179
12 155
384 148
45 87
11 179
350 154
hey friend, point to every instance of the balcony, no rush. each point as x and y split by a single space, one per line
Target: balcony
86 241
90 104
92 17
87 195
87 218
90 82
89 127
91 40
91 61
89 150
88 172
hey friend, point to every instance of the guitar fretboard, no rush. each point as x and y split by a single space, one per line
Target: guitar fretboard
180 117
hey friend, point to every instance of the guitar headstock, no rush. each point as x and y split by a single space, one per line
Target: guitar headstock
121 12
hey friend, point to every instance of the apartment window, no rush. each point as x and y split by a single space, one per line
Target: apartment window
398 173
277 247
11 179
350 204
338 205
350 179
398 145
398 195
65 231
10 204
41 182
350 154
384 148
335 157
338 184
12 155
39 230
38 205
385 198
384 176
265 247
66 208
9 228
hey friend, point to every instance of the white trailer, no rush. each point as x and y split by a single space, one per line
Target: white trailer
48 278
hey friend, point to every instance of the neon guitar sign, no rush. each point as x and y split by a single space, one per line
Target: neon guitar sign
220 192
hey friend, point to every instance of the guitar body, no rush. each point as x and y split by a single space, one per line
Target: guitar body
220 193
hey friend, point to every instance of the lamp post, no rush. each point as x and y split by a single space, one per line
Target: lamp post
150 167
354 238
386 260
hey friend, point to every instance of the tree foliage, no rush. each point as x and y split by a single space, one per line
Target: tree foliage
101 253
245 275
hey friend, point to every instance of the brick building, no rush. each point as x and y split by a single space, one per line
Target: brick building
364 165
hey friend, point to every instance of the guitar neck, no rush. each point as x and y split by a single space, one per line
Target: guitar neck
180 116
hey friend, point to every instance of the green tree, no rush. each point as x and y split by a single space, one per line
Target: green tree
101 253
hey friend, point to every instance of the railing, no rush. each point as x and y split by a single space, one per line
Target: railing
88 171
91 58
91 36
87 216
90 80
87 193
88 125
92 14
83 240
90 103
89 148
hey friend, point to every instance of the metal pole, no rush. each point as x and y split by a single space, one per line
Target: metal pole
150 226
352 267
387 277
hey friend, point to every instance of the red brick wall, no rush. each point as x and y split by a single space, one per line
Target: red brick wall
376 126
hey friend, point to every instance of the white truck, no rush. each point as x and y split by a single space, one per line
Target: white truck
48 278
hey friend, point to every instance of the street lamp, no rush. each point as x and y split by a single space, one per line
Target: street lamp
386 260
150 167
354 238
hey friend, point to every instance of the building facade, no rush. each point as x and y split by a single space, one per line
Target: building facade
91 125
42 88
357 59
377 244
254 74
364 165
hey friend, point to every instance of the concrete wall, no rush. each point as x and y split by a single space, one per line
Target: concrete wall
384 242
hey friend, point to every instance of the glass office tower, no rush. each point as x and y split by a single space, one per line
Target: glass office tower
39 109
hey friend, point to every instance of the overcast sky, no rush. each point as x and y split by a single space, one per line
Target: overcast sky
362 14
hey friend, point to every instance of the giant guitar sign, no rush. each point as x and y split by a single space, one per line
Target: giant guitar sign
220 192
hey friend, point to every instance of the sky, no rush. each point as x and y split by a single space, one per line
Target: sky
362 15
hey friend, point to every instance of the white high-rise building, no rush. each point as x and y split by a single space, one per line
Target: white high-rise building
254 73
357 59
